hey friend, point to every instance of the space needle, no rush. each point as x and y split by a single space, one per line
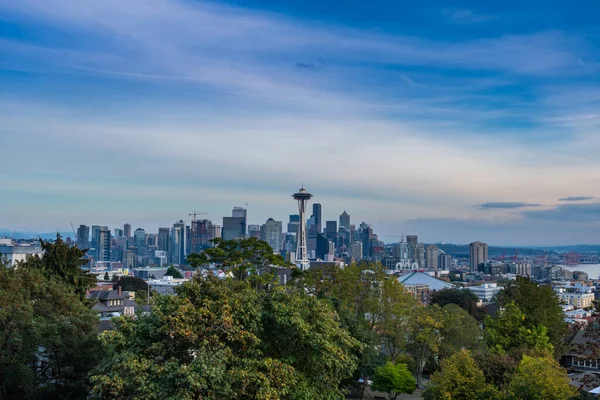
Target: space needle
301 250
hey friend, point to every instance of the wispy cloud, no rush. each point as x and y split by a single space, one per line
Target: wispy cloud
507 205
467 17
577 198
568 212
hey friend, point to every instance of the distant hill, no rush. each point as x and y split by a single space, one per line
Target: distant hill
5 233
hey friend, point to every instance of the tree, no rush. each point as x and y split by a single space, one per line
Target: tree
397 307
131 284
243 257
540 378
459 331
464 298
221 339
48 340
63 263
498 369
394 379
541 306
460 379
174 272
424 337
106 277
511 331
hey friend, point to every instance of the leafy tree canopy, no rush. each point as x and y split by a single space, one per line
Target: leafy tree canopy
394 380
540 379
131 284
63 263
511 331
48 341
463 298
223 339
459 378
459 331
174 272
541 306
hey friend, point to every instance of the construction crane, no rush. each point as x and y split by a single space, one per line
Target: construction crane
74 234
194 228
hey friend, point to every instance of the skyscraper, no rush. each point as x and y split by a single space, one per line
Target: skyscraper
83 237
234 227
271 232
478 254
432 256
163 239
94 241
204 232
331 230
254 231
345 220
412 239
317 216
292 226
302 197
356 250
178 242
118 232
127 230
139 241
103 240
445 262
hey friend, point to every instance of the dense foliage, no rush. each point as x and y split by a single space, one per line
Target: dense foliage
174 272
465 299
394 380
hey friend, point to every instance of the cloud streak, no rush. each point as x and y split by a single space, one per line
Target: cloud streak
507 205
577 198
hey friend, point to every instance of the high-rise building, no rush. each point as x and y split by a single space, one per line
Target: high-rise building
445 262
366 234
203 231
431 257
330 251
254 231
163 239
127 230
103 240
234 227
139 241
272 232
317 218
217 232
94 241
419 254
83 237
356 250
331 230
118 232
478 254
294 223
177 252
345 220
412 239
302 197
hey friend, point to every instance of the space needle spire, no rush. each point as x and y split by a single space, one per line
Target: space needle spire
301 250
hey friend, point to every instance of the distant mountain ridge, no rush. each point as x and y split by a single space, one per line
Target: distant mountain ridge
5 233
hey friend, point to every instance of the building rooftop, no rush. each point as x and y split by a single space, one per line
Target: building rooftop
421 278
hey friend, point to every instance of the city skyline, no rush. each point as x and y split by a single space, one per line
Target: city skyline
487 132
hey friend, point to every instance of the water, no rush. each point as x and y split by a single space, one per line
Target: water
593 270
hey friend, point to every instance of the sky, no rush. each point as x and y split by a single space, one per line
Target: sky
456 121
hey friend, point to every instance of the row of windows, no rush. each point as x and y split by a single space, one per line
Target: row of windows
114 303
583 362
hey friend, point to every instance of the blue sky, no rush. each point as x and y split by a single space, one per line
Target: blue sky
457 121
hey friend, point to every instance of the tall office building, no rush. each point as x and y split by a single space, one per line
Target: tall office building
103 240
254 231
127 230
478 254
317 216
445 261
356 250
178 243
164 239
94 241
234 227
331 230
294 223
412 239
139 241
272 232
366 234
118 232
419 254
203 231
432 257
345 221
83 237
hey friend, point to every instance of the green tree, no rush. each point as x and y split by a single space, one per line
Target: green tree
243 258
465 299
174 272
63 263
540 379
511 331
397 306
221 339
424 337
394 380
459 331
48 340
497 368
131 284
459 379
106 277
541 306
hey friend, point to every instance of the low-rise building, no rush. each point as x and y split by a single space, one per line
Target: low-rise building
577 300
13 254
486 291
166 285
